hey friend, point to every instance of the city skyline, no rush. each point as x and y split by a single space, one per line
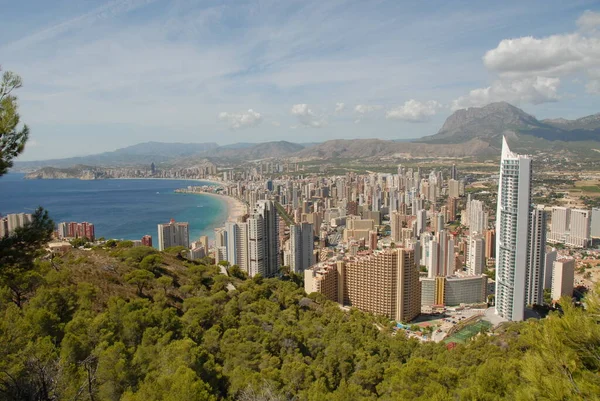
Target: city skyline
127 71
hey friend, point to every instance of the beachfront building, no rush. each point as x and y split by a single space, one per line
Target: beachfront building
173 234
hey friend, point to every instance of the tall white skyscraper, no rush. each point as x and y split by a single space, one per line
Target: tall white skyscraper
512 233
537 257
237 244
173 234
263 240
301 247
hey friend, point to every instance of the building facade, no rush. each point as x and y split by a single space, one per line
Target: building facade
512 233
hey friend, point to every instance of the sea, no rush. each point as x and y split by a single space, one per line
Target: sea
118 208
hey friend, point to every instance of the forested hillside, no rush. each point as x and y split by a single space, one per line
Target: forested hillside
120 323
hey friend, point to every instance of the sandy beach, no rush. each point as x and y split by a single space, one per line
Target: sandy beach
235 207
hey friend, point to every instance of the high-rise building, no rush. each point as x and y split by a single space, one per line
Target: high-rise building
537 257
421 221
204 243
560 224
237 244
595 229
512 233
173 234
63 230
453 188
147 240
579 228
385 283
478 217
263 240
490 244
397 222
551 255
301 247
453 172
476 260
563 275
452 208
220 245
11 222
571 227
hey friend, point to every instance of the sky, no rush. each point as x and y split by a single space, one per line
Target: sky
101 75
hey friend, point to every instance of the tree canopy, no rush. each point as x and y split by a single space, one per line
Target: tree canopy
86 332
12 136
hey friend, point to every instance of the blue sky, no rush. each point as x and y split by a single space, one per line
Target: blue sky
102 75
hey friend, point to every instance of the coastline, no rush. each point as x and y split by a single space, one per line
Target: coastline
235 207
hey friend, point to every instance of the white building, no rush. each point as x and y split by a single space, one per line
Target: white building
173 234
476 256
571 227
579 229
563 276
237 244
263 240
512 233
595 229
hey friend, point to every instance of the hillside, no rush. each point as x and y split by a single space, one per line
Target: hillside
142 153
491 122
375 148
121 323
257 151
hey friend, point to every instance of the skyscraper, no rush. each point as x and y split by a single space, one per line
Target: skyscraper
263 240
173 234
537 257
301 247
476 259
512 233
237 244
595 229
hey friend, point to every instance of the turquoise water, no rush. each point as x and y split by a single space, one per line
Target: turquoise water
122 209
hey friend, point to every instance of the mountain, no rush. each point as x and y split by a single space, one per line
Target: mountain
257 151
377 148
490 122
142 153
584 123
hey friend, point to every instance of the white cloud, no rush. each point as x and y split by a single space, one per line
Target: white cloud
244 119
529 90
275 123
367 108
529 69
589 20
556 55
414 111
306 116
339 107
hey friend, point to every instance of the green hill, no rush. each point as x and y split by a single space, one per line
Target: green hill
121 323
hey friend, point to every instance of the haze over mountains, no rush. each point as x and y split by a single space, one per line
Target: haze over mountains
467 132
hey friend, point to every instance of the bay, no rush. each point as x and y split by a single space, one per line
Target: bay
121 209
